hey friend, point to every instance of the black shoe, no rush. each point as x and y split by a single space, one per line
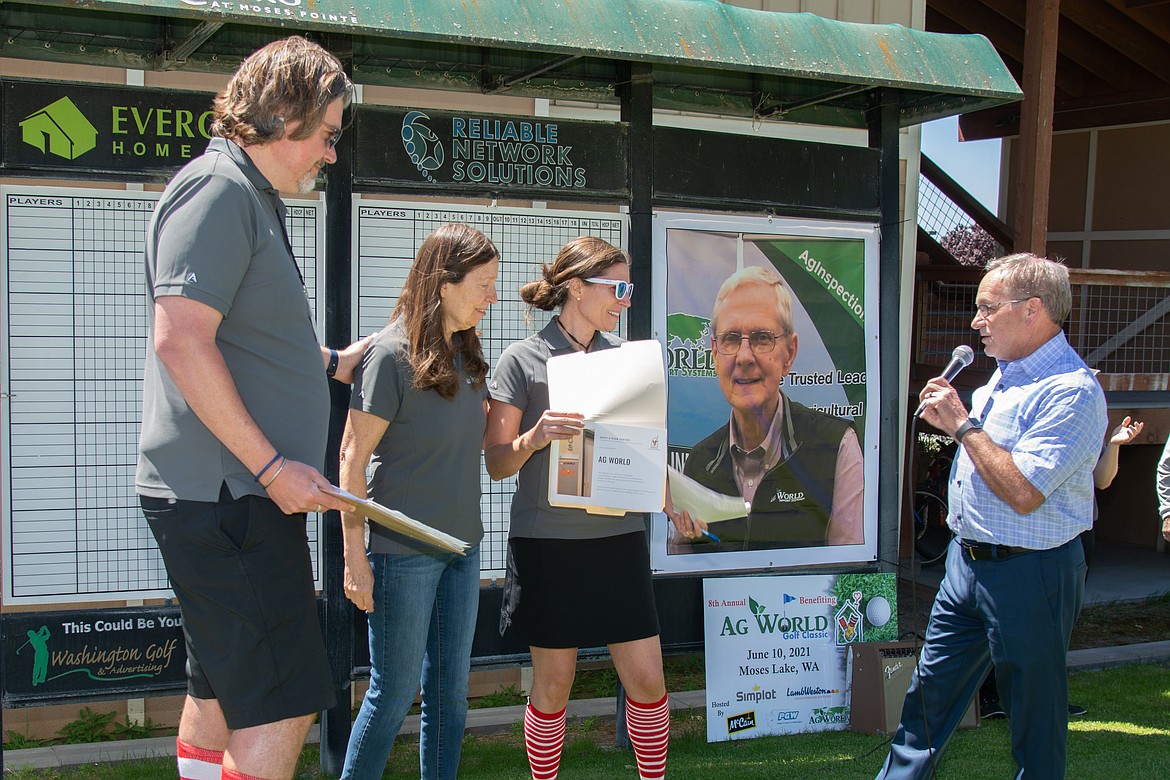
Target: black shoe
1074 710
990 709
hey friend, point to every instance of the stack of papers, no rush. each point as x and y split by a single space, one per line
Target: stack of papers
396 521
617 464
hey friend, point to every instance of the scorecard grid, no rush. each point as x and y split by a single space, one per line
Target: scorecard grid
388 235
74 332
74 327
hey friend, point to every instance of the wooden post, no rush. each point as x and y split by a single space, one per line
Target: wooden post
1033 158
882 120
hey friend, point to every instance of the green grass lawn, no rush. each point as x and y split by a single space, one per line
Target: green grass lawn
1125 735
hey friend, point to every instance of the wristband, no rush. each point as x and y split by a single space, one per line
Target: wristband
267 466
276 474
332 368
966 427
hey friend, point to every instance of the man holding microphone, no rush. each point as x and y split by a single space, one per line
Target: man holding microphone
1021 490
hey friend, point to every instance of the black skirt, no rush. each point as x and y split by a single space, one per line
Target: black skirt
579 592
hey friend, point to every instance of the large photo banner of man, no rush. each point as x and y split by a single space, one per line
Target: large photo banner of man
768 351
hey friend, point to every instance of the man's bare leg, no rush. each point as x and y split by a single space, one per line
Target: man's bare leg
202 739
202 724
269 750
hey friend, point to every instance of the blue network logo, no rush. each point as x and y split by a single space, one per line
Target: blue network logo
421 144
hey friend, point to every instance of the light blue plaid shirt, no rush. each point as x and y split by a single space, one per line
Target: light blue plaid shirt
1049 412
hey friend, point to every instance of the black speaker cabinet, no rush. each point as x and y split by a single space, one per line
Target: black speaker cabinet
880 675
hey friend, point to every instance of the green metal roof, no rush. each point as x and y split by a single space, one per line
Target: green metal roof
706 55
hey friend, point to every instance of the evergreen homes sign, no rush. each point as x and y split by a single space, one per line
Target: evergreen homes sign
91 130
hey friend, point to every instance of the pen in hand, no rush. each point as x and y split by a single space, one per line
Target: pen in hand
709 535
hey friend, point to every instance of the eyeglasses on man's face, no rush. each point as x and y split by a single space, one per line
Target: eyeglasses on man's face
334 137
985 310
622 290
760 341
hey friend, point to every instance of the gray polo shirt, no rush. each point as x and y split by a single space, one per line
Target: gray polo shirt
521 380
427 464
217 237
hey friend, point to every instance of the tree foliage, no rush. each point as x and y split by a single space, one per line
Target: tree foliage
970 245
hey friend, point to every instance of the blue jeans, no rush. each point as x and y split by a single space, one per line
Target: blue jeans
1017 614
425 607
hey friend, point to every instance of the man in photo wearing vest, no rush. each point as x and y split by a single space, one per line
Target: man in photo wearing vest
800 470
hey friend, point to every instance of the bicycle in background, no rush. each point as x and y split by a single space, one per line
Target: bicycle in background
932 535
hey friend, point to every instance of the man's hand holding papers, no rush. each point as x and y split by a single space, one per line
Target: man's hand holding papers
692 507
396 521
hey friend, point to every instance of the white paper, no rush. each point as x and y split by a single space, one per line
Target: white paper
702 502
618 463
397 521
623 386
609 469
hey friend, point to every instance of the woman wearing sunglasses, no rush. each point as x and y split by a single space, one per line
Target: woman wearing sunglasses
554 599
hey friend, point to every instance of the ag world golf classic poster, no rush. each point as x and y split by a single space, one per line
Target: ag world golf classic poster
776 649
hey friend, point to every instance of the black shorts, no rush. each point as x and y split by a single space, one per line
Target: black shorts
579 592
244 580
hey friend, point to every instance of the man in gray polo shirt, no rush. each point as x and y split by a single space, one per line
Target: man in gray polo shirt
235 416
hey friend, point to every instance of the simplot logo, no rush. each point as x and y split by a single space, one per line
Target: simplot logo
755 695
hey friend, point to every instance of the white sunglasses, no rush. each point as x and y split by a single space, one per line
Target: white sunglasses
622 289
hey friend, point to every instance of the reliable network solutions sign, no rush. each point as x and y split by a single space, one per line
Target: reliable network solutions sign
430 149
87 129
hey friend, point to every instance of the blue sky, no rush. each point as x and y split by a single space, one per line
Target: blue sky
974 164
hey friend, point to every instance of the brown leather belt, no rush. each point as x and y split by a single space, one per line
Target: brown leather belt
982 551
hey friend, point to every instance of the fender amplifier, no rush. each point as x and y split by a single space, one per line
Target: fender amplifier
879 675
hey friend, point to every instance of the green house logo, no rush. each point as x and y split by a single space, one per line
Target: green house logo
59 128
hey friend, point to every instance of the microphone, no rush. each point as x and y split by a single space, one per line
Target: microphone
960 359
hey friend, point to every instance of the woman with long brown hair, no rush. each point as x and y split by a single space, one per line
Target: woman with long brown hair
418 410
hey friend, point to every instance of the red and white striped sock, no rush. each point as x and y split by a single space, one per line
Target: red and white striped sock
231 774
544 737
196 763
649 729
